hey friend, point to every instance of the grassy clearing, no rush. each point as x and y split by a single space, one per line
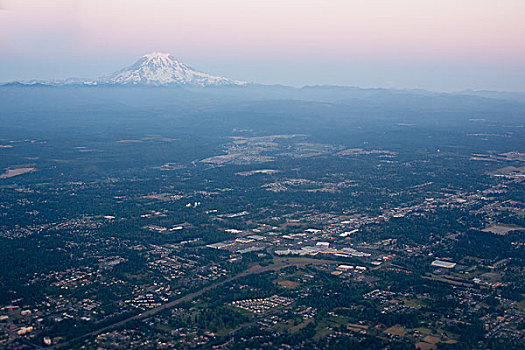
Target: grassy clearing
288 284
425 346
396 330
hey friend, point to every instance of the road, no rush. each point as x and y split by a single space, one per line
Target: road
188 297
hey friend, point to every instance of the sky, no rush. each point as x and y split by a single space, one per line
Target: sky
443 45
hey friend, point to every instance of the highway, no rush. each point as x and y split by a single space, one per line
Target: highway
188 297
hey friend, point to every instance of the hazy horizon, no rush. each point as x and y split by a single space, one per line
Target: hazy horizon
440 46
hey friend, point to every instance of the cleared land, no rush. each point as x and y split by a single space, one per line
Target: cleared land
502 229
15 172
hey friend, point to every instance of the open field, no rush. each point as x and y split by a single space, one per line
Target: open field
502 229
15 172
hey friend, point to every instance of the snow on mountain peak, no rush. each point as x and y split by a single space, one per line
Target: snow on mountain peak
159 68
157 54
158 58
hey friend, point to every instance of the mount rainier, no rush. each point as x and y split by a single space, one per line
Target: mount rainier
160 69
154 69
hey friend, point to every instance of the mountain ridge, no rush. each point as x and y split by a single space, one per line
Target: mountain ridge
153 69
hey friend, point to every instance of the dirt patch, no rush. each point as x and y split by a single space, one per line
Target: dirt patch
288 284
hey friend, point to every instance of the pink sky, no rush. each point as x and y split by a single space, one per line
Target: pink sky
429 33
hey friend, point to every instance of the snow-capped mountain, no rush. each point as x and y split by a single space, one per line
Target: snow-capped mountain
159 69
154 69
